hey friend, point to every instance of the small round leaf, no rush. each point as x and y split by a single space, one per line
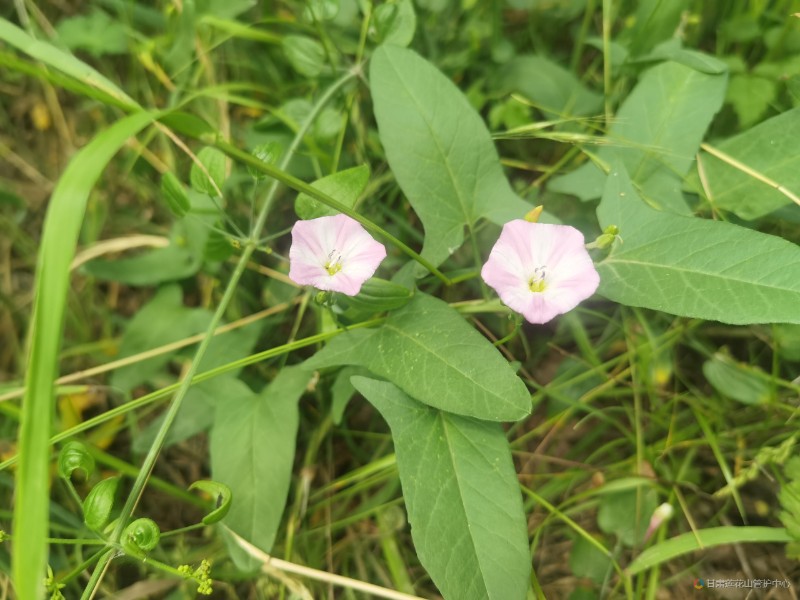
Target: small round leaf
214 162
268 153
306 55
74 457
222 502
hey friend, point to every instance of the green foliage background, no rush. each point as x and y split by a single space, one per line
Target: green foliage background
169 146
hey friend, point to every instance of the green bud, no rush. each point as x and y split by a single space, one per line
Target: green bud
605 239
98 504
74 457
378 295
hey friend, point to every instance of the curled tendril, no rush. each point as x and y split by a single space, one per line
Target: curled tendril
140 536
221 494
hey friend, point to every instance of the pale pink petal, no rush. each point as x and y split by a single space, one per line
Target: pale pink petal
339 239
522 251
513 248
564 242
539 309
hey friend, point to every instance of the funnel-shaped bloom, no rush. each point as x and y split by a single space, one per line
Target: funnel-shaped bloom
334 254
540 270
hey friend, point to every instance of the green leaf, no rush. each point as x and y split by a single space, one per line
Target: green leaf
394 23
321 10
74 457
586 560
550 86
268 152
751 97
214 162
378 295
252 452
432 354
306 55
439 150
626 514
222 499
654 22
59 238
344 186
342 391
770 149
175 194
99 502
656 134
737 380
224 9
187 124
197 413
695 267
95 32
673 50
181 259
787 338
462 496
703 540
164 319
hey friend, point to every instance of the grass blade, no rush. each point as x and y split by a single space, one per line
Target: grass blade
64 62
59 239
714 536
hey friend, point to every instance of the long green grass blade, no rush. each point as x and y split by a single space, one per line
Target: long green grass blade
59 239
714 536
64 62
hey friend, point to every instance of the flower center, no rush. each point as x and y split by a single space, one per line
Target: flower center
334 264
536 283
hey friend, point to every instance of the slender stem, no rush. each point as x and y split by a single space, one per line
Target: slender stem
272 564
578 47
183 529
177 401
302 186
172 412
278 174
97 574
607 58
81 567
204 376
362 43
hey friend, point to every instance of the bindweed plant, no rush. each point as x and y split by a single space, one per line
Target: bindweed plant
344 234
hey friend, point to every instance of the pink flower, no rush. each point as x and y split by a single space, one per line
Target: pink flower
660 515
540 270
334 254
